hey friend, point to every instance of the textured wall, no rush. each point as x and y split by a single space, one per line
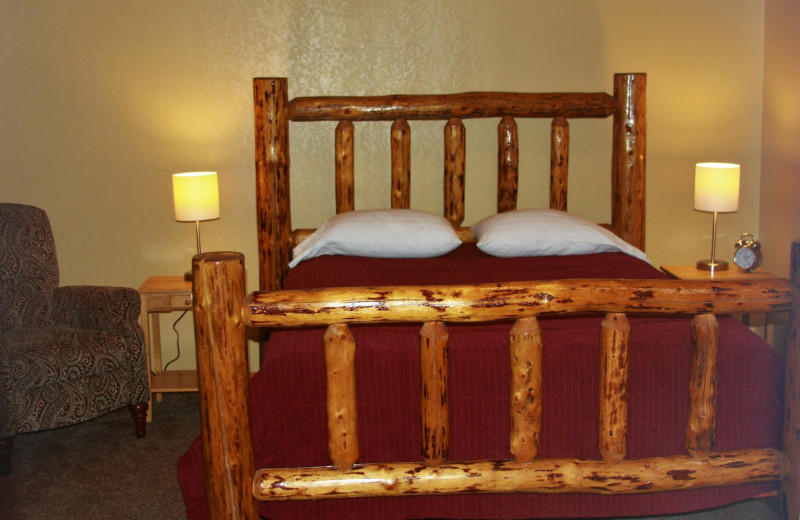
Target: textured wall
103 100
780 177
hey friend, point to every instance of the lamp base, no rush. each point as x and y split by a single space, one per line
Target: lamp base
712 265
187 276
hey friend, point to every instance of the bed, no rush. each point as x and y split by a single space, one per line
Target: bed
532 365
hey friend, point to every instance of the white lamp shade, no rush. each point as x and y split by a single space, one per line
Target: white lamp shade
716 187
196 196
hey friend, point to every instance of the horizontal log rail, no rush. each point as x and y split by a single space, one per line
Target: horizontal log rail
539 476
508 301
464 105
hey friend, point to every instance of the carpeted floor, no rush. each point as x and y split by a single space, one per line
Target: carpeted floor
100 470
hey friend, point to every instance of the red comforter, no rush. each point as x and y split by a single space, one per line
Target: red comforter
288 394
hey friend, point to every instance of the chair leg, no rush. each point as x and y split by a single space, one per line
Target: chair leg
139 413
6 443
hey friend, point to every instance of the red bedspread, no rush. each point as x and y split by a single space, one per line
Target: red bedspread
288 394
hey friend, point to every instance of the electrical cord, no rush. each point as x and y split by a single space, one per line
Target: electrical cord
177 339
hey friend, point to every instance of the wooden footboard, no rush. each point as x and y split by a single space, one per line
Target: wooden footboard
222 312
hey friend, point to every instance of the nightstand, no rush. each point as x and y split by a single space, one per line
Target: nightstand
690 272
161 294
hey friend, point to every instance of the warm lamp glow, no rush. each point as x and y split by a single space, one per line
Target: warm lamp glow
716 187
196 196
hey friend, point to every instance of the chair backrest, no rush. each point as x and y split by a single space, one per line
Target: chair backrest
28 268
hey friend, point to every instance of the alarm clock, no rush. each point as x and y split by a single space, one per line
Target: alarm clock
747 254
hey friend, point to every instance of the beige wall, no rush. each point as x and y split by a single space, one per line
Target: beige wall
103 100
780 165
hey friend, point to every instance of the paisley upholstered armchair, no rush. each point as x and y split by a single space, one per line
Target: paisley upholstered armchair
67 354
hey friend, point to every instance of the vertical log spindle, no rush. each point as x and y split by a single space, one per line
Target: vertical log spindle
401 164
526 389
559 163
434 400
615 335
507 164
454 169
345 176
702 385
340 354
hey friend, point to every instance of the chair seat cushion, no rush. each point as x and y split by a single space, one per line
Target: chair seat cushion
43 357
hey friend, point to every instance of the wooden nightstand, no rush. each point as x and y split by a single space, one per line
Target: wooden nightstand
690 272
162 294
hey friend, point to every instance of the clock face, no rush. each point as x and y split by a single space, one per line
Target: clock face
745 258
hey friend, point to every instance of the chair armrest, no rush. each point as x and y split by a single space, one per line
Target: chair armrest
110 309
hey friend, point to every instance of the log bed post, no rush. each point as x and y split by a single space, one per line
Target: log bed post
628 155
223 379
272 181
790 486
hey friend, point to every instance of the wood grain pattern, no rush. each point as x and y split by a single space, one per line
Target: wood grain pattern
345 172
559 163
340 362
272 181
538 476
510 301
464 106
401 164
615 336
434 402
223 381
702 385
521 301
507 164
454 169
628 156
525 348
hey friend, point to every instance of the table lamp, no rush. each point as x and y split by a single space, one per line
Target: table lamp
716 189
196 198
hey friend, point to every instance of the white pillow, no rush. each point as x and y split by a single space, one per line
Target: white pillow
546 232
380 233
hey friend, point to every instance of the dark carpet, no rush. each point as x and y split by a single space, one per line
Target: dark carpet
100 470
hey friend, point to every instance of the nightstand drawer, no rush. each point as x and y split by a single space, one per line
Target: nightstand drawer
180 301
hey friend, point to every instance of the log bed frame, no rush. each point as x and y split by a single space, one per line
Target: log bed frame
223 311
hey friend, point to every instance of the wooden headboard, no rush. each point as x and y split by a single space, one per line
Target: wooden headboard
274 111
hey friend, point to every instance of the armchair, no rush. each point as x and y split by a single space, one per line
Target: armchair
67 354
